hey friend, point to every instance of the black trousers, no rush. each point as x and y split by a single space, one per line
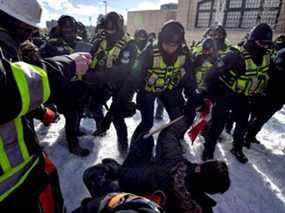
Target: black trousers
173 102
72 123
159 109
262 110
240 109
97 111
118 121
72 106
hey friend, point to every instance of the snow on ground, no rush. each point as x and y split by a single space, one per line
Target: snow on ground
257 187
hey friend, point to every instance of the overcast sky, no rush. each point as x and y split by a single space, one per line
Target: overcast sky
82 10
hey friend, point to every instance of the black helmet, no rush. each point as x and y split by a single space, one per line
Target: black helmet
219 29
141 33
208 33
172 32
67 28
126 202
262 32
67 20
113 21
208 43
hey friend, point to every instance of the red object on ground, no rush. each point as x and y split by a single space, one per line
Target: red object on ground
49 117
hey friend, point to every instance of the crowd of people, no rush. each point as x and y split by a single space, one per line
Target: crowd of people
71 74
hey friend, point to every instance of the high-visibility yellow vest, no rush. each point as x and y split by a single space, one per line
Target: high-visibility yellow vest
162 77
228 47
253 81
201 72
15 160
111 54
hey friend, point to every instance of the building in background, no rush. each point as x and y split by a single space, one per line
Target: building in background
238 16
170 6
151 20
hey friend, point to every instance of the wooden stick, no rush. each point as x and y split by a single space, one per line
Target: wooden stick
152 132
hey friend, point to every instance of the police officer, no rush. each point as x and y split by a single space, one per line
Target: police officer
75 96
151 37
204 60
65 42
163 72
196 45
82 32
141 40
273 100
159 107
221 42
242 77
24 87
114 53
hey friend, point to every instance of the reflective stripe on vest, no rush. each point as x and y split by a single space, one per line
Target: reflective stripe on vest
32 84
15 160
226 49
111 54
253 81
162 77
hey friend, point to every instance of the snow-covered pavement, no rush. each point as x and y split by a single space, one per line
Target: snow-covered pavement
257 187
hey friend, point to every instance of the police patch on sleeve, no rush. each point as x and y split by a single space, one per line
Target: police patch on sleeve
126 57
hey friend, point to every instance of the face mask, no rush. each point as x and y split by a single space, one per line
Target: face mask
68 34
220 43
141 44
260 49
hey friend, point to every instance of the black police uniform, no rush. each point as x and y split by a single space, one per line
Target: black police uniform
113 58
75 93
178 77
218 83
271 102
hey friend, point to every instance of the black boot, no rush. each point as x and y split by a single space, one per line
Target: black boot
123 147
79 151
249 140
238 153
103 126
